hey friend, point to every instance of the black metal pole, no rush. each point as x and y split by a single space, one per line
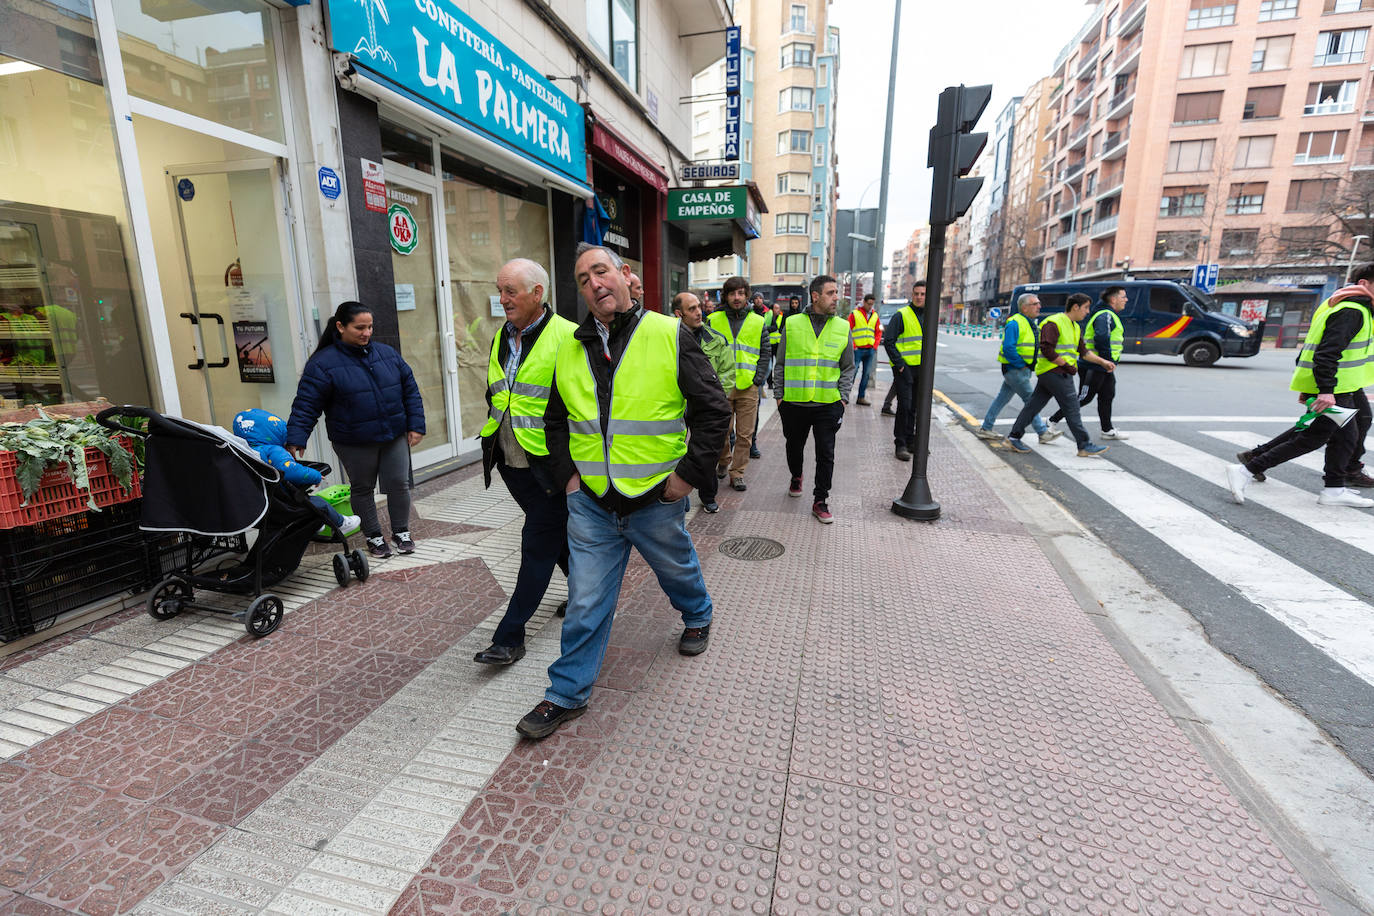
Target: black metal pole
916 501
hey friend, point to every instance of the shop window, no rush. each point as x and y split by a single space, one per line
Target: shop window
613 26
223 56
1245 199
404 146
1205 60
1333 97
1271 53
69 296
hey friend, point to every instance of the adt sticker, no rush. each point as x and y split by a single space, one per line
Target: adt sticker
186 190
329 182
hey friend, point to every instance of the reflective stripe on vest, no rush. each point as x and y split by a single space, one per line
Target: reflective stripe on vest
527 399
747 348
1116 337
646 435
774 331
865 330
1354 370
909 344
811 365
1025 340
1070 336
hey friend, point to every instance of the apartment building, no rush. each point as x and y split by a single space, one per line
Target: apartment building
1022 252
909 263
1194 131
790 66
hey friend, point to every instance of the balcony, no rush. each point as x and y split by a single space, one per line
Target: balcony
1081 100
800 27
1115 147
1132 17
1088 61
1111 186
1070 172
1105 226
1054 274
1067 205
1129 58
1065 240
1121 103
1078 137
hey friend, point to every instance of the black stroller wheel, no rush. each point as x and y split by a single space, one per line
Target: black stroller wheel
168 598
263 616
341 572
357 561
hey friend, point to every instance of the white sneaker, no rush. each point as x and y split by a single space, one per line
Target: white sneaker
1237 478
1057 426
1049 435
984 433
350 525
1343 496
1114 434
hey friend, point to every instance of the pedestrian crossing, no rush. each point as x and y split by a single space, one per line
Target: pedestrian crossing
1338 623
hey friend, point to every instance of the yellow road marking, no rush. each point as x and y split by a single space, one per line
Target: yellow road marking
968 417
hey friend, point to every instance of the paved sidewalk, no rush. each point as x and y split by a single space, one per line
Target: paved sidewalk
892 717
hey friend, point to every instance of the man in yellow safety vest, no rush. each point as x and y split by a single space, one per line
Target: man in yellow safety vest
867 334
746 331
519 374
635 419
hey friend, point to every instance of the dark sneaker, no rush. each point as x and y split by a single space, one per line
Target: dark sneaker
903 453
499 655
754 453
864 402
1361 479
721 470
737 483
888 412
544 719
561 610
822 513
1244 458
403 542
378 548
694 640
712 507
795 488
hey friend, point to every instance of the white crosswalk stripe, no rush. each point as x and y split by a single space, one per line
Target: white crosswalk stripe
1325 616
1312 460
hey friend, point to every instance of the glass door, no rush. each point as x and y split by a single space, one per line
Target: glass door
413 226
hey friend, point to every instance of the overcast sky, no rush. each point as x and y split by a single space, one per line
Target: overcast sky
1008 43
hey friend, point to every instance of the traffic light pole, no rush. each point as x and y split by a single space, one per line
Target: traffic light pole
916 501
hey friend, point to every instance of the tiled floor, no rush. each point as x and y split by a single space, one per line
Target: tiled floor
885 722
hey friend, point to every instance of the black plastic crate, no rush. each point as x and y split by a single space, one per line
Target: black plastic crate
29 551
79 578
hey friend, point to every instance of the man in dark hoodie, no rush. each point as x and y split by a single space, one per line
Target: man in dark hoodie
635 419
1335 363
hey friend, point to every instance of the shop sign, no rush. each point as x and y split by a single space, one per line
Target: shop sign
374 186
405 235
627 158
690 171
329 182
732 87
440 54
1254 309
621 233
708 203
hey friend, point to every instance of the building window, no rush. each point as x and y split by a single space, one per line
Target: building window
1299 242
1321 146
1347 6
1343 47
789 264
748 68
1197 107
794 141
612 26
1245 199
796 21
1278 9
815 230
1254 152
1309 194
798 54
1183 202
796 98
1262 102
820 152
823 76
794 182
791 224
1205 60
1190 155
820 115
749 111
1110 26
1239 243
1336 97
748 150
262 82
702 124
1209 14
1171 246
1271 53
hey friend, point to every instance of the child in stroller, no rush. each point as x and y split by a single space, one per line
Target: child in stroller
266 433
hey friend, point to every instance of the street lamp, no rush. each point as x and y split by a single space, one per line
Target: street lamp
1350 268
854 262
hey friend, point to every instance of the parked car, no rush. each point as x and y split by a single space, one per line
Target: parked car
1162 317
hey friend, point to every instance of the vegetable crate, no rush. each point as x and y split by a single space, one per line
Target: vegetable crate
57 495
59 565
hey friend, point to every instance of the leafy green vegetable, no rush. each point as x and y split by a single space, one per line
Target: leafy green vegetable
47 442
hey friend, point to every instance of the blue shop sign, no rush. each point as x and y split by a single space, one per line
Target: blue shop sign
436 52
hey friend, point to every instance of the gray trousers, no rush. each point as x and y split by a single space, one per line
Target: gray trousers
365 465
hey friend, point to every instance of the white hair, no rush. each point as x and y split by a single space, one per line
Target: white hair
530 273
1022 299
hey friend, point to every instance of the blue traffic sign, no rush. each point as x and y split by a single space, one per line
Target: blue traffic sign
1205 276
994 313
330 186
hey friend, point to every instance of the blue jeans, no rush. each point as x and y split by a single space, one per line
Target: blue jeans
599 545
1020 382
335 519
863 361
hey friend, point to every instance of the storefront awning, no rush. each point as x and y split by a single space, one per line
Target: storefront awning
718 221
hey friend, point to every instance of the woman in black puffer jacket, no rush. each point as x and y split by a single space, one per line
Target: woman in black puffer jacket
373 416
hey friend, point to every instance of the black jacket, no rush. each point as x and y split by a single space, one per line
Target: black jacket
707 415
1340 329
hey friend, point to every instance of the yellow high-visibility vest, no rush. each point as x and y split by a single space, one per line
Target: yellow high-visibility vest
527 399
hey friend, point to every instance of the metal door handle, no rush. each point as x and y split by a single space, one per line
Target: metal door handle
200 363
223 341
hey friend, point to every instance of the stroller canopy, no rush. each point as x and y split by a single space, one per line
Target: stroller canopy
201 479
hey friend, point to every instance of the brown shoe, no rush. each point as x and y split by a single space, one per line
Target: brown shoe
864 402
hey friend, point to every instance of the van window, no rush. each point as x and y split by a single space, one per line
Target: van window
1166 299
1051 302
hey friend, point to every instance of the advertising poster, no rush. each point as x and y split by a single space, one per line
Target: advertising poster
254 351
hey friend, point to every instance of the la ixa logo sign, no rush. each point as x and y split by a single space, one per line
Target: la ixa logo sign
473 76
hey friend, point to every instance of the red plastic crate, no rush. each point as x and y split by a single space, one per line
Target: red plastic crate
57 495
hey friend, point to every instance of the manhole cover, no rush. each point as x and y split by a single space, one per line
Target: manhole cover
752 548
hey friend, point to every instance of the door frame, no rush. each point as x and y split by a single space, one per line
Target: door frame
415 180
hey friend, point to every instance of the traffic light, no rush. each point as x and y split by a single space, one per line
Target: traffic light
953 150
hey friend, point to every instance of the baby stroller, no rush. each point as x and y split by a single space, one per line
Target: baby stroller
207 486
